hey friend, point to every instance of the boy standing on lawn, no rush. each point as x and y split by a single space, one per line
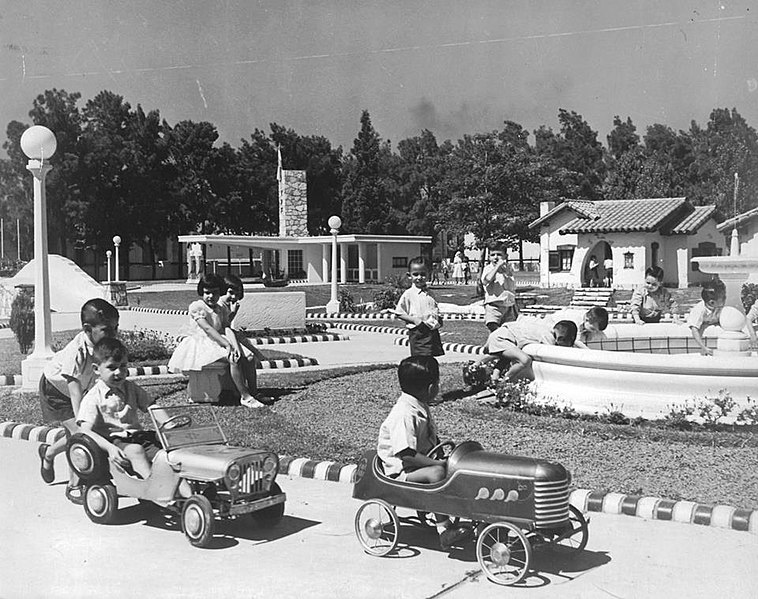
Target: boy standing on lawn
65 380
419 310
499 290
409 432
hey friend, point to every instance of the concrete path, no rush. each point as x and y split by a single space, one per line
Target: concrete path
49 549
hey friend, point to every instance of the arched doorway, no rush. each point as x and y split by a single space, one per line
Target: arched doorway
594 272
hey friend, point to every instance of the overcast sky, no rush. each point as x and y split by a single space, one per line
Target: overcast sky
453 67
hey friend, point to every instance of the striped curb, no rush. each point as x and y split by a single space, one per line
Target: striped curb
155 310
162 370
460 348
586 500
298 339
369 328
380 316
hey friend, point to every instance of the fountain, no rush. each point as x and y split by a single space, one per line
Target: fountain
647 384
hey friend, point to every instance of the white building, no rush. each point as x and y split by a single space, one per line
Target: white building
634 234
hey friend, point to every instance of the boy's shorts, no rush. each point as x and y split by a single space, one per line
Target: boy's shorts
500 313
146 439
55 406
425 341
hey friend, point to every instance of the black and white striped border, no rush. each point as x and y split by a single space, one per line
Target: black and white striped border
369 328
586 500
460 348
155 310
298 339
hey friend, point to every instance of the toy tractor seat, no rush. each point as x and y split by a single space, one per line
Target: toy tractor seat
211 383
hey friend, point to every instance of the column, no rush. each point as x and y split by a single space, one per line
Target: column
379 273
325 263
361 262
284 265
343 263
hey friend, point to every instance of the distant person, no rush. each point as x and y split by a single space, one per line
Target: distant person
458 268
499 287
65 380
608 266
418 309
445 268
408 434
212 340
504 346
651 301
466 270
593 275
435 273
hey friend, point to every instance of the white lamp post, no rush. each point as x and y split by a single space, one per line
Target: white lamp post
39 144
108 255
117 242
333 306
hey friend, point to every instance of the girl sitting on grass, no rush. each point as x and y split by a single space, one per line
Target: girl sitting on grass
212 340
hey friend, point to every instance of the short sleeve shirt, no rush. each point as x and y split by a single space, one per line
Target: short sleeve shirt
419 302
219 318
72 363
519 334
500 290
409 425
111 412
701 316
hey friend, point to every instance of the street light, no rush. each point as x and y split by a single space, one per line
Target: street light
39 144
108 255
117 242
333 305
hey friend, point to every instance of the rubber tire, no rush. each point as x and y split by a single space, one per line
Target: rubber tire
198 506
272 515
101 503
98 469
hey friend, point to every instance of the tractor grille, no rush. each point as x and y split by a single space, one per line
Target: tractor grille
551 503
252 481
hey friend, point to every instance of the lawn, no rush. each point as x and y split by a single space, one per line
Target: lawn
320 415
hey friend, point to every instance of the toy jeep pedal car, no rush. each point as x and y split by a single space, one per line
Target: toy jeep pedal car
509 503
226 481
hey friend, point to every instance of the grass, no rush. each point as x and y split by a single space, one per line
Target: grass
320 415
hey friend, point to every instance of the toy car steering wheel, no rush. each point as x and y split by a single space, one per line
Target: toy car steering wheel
438 451
178 421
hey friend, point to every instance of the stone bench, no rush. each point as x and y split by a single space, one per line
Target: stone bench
208 384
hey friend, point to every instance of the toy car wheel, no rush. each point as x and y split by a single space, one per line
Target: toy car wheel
574 538
198 520
504 553
272 515
101 503
377 527
86 459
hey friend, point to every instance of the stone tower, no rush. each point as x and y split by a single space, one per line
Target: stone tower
293 204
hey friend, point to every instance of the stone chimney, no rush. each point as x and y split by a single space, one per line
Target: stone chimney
293 204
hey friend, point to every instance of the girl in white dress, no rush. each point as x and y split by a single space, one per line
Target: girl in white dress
211 340
458 268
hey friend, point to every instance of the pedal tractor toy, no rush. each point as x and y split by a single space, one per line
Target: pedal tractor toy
226 481
511 505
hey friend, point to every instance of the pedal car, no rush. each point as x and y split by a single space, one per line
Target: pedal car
225 481
510 503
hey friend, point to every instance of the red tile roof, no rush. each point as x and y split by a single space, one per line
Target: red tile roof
669 215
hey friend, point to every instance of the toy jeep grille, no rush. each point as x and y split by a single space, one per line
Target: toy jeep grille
252 481
551 503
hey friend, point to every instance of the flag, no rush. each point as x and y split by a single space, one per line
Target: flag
279 163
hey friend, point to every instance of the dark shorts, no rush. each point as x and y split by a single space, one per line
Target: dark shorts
145 439
650 318
56 407
425 341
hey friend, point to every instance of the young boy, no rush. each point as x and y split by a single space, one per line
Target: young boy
108 412
650 302
504 347
409 432
65 380
707 312
499 290
418 309
591 329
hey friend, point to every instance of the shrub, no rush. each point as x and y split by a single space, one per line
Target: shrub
146 345
712 409
22 319
388 296
749 415
614 415
748 295
678 416
348 303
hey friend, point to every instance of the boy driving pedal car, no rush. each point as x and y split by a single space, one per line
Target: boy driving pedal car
409 433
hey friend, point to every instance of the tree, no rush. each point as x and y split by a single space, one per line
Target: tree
623 137
366 206
576 154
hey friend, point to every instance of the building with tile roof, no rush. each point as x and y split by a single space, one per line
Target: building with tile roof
625 237
747 229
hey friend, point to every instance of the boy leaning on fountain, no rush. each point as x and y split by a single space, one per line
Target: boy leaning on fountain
708 311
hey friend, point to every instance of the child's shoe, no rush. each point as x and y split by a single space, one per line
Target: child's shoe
46 468
251 402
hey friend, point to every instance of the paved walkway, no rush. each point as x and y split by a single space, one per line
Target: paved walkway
49 549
